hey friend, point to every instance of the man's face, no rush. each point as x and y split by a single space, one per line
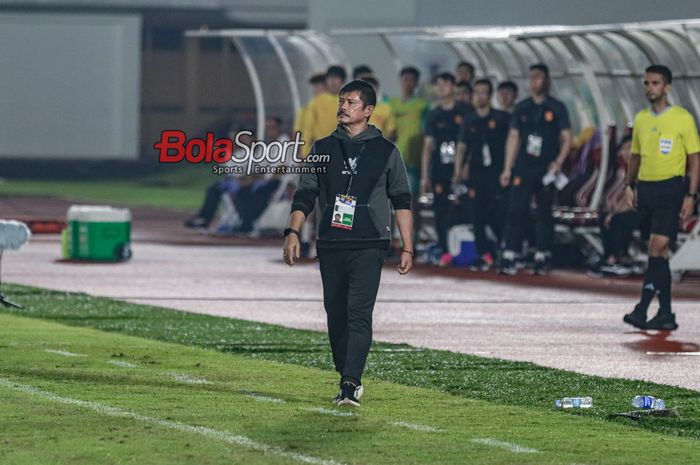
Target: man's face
464 74
656 87
351 109
463 95
408 83
445 88
318 88
538 82
272 129
506 98
482 96
334 83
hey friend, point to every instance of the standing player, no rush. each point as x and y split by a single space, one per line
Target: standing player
438 159
539 142
664 140
484 139
507 95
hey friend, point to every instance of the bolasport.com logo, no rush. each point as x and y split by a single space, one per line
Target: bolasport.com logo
242 155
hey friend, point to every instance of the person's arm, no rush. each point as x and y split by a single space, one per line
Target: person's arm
302 204
512 147
565 148
404 220
630 200
428 142
690 199
461 163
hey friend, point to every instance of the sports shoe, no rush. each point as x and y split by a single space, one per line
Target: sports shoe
483 263
595 271
445 260
196 222
508 263
616 270
638 318
350 394
541 265
663 322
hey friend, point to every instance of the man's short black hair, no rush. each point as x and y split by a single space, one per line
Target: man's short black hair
508 85
540 67
360 70
412 70
446 76
466 85
471 67
276 119
317 78
485 82
337 71
662 70
366 91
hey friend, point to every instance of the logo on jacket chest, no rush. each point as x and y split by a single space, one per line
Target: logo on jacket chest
353 166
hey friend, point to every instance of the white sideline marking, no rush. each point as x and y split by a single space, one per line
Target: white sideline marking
687 354
65 353
327 411
416 427
187 379
259 398
504 445
123 364
210 433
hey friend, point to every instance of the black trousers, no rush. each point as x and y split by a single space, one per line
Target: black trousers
489 205
618 234
350 284
441 209
527 182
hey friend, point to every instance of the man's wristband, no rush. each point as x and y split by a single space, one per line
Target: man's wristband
289 231
693 195
632 185
407 251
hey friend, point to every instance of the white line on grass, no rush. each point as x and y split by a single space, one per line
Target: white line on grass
210 433
65 353
121 363
328 411
504 445
417 427
260 398
686 354
187 379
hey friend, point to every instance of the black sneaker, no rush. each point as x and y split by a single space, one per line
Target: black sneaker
540 268
196 222
663 322
350 394
638 318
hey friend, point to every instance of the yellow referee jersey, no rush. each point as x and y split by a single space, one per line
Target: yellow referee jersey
663 142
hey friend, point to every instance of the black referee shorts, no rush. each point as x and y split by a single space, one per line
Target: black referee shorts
659 204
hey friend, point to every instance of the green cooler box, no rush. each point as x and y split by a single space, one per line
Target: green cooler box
98 233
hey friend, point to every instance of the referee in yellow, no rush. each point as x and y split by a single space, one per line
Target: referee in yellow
665 141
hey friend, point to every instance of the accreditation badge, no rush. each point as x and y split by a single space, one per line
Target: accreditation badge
534 145
343 211
665 146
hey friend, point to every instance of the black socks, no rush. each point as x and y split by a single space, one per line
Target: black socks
657 279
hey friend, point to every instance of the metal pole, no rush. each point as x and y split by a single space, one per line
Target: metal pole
287 67
257 88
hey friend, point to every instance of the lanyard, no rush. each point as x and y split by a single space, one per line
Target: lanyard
347 164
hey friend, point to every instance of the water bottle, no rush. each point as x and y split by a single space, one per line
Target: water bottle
648 403
574 402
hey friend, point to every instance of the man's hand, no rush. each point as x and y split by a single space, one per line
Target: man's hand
291 250
505 178
555 167
630 200
688 208
406 263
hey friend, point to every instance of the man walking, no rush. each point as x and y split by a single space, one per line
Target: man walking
664 140
364 175
539 141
